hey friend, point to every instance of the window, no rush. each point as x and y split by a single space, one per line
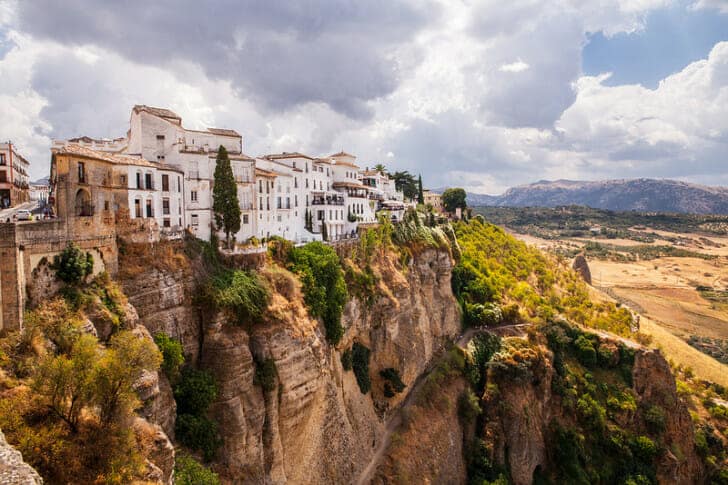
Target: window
306 183
122 179
179 184
245 219
195 220
3 176
165 207
81 173
2 159
106 205
278 204
148 181
160 148
295 200
165 222
150 210
137 208
139 180
165 183
193 196
260 186
295 183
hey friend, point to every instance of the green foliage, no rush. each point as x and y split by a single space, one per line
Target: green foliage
482 315
412 232
172 355
406 183
654 417
195 391
72 266
198 433
644 447
360 365
241 292
394 383
225 204
347 359
591 412
187 471
585 351
468 406
324 288
481 350
481 469
453 199
265 374
420 194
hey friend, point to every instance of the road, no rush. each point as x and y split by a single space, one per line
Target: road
395 419
6 214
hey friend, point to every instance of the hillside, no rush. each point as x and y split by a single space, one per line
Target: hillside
648 195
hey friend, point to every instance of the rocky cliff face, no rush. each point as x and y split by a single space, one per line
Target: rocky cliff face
13 470
315 426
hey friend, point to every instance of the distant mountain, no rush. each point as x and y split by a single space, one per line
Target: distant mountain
649 195
42 181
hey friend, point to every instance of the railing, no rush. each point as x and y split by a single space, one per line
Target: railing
328 201
246 206
242 179
193 175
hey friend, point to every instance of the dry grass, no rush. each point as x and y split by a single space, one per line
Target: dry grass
676 349
135 259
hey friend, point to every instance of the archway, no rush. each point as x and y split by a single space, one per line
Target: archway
84 207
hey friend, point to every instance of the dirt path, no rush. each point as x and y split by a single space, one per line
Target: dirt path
395 420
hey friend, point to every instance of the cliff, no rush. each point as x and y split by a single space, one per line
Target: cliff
315 425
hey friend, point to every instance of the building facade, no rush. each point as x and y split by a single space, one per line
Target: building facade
14 180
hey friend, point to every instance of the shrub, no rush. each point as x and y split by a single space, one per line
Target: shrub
265 374
187 471
198 433
241 292
360 365
591 412
392 375
655 419
644 447
172 356
468 406
324 287
72 266
585 351
195 391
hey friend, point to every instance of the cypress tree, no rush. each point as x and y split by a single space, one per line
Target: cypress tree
420 194
225 196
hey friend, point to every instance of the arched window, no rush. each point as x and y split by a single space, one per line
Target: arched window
84 207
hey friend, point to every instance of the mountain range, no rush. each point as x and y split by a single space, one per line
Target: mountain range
647 195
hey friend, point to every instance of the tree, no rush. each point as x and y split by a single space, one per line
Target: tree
72 266
124 362
420 194
454 199
225 196
172 355
380 168
406 183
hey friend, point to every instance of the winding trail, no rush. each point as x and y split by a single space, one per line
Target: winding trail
395 420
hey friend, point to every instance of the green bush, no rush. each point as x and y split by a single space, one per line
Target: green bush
324 287
392 375
585 351
360 365
195 391
172 355
187 471
468 406
72 266
591 412
644 448
241 292
198 433
265 374
655 419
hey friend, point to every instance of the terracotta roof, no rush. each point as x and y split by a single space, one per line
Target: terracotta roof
274 156
322 160
259 172
161 112
349 185
81 151
224 132
341 154
88 139
346 164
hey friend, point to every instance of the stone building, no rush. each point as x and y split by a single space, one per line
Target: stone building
14 181
433 199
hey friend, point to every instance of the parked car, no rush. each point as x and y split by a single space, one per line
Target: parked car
24 215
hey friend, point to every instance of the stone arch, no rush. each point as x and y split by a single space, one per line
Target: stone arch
84 207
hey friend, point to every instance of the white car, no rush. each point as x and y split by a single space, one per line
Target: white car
23 215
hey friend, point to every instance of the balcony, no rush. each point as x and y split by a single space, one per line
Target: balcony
242 180
328 200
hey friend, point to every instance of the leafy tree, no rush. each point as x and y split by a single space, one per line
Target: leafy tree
225 196
195 391
453 199
360 364
347 359
72 266
187 471
198 433
405 182
392 375
380 168
420 194
123 363
172 355
325 294
240 291
67 380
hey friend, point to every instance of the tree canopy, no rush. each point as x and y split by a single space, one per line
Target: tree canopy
453 199
407 183
225 196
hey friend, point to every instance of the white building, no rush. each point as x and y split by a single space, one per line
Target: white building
290 195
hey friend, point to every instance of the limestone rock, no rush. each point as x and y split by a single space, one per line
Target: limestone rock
13 470
582 267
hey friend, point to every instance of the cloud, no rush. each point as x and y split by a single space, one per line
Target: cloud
517 66
719 5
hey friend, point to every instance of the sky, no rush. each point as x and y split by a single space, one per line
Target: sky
482 94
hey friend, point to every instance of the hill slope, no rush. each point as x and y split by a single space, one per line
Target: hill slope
619 195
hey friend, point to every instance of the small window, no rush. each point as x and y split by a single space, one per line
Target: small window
81 173
106 205
150 208
165 183
123 180
139 180
195 220
245 219
165 207
137 208
179 184
148 181
166 223
193 196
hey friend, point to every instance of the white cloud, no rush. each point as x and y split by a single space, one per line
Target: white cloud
719 5
517 66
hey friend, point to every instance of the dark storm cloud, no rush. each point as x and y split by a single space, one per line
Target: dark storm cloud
279 53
